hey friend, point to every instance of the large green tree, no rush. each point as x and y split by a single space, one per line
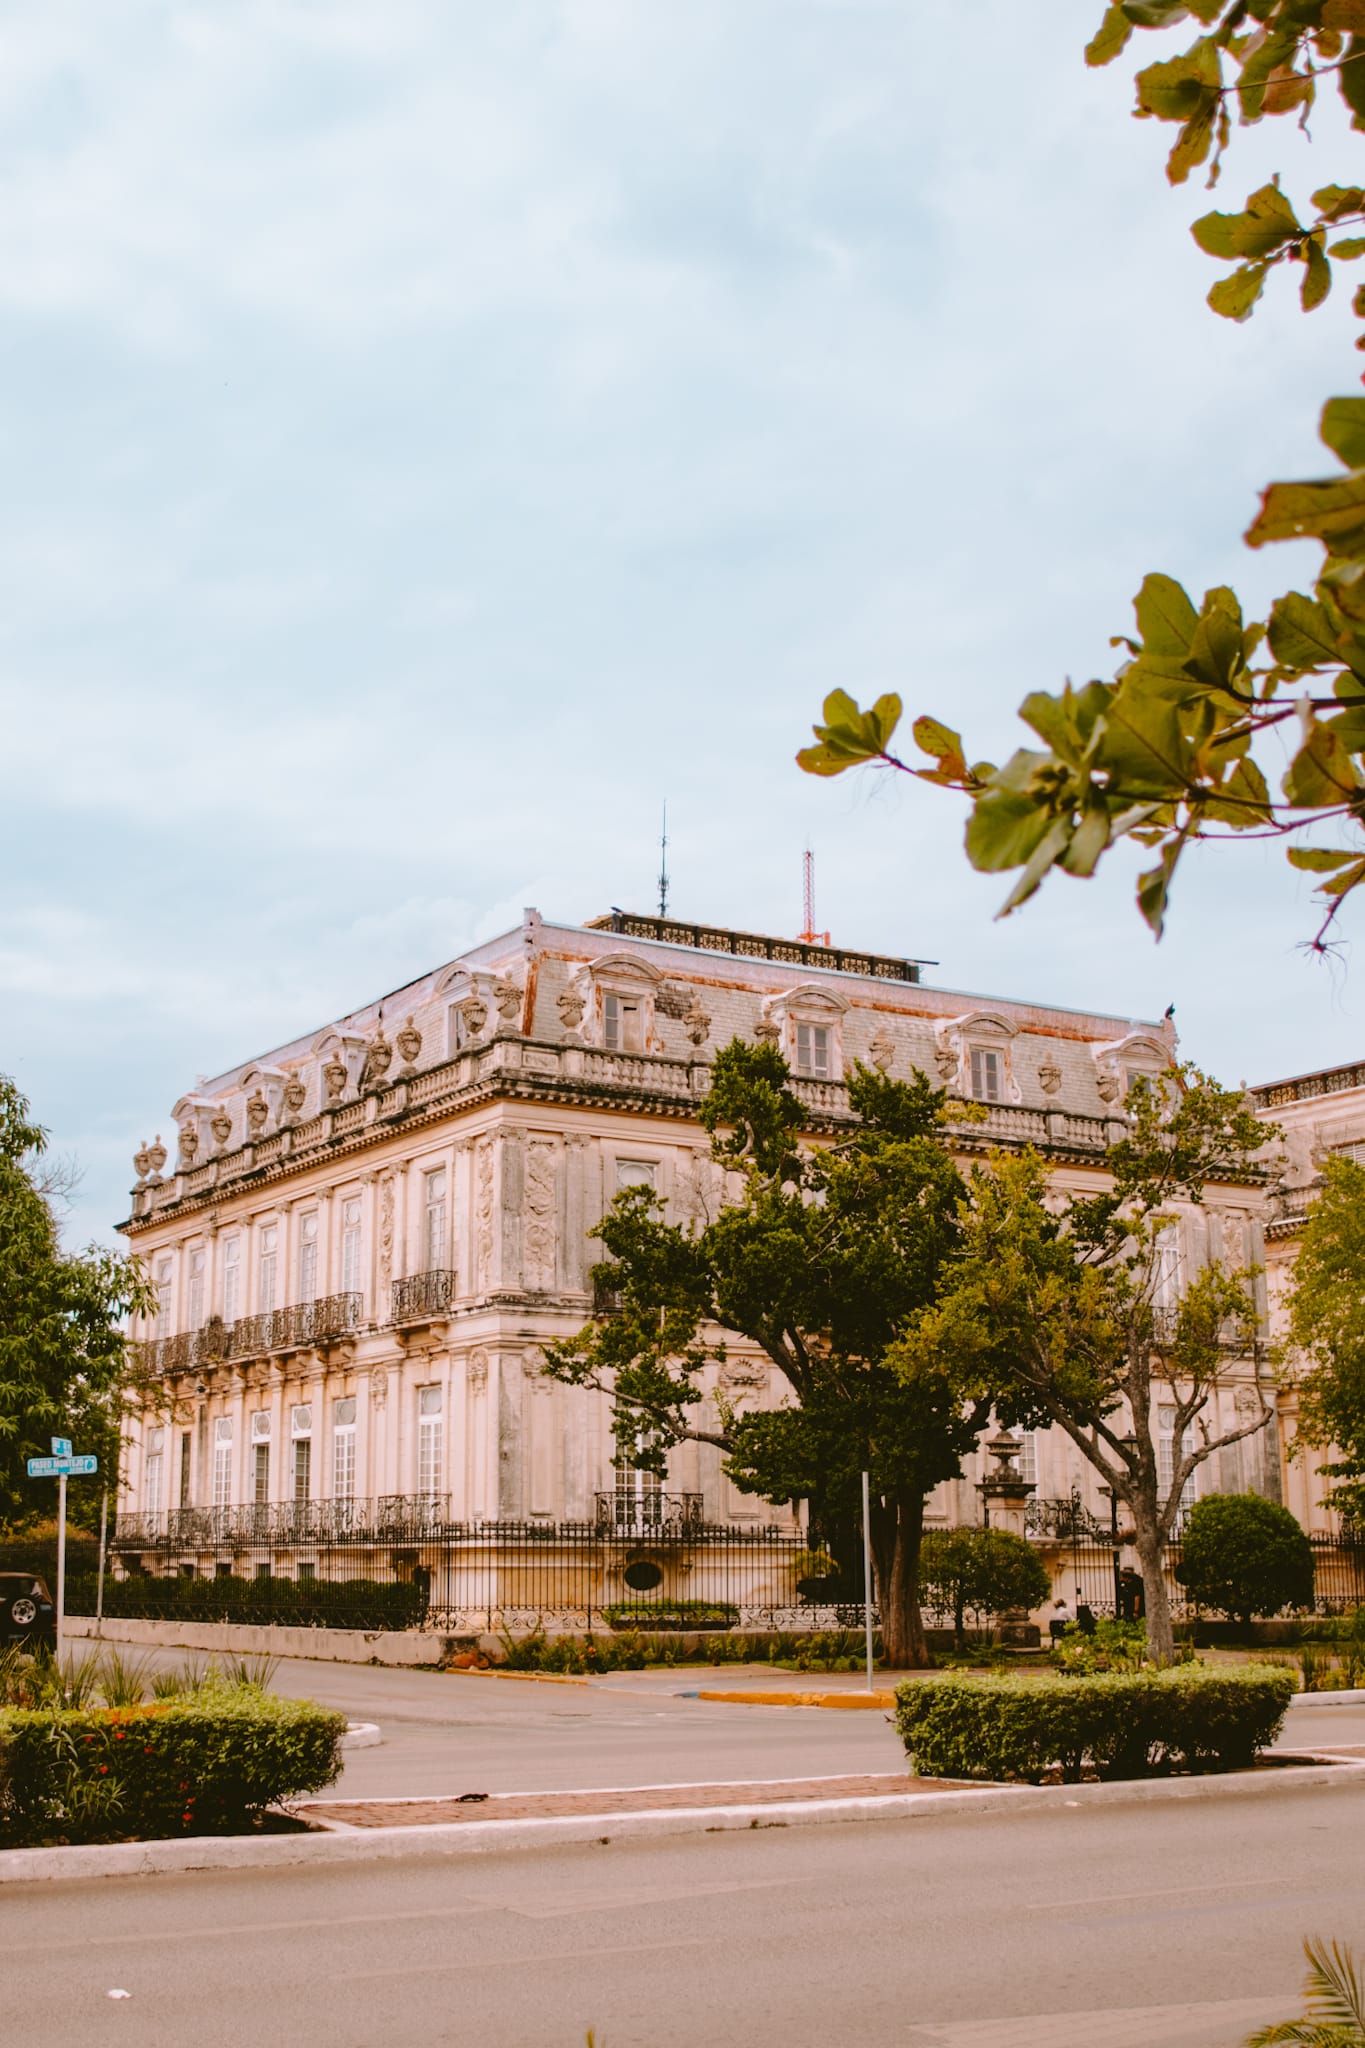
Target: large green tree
64 1359
818 1259
1184 743
1327 1323
1068 1306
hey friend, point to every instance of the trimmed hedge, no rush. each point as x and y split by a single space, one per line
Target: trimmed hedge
1116 1725
285 1603
672 1614
207 1763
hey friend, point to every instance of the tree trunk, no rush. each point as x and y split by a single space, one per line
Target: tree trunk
1160 1633
897 1528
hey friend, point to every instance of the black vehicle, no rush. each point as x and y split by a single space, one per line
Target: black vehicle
27 1614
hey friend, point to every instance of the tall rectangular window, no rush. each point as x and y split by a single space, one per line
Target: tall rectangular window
269 1249
343 1449
308 1256
163 1297
985 1074
434 1241
639 1498
198 1263
301 1431
430 1440
812 1051
260 1457
222 1462
350 1246
621 1024
156 1439
1165 1460
232 1279
1166 1267
185 1469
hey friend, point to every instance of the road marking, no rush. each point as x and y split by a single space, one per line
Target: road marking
459 1966
596 1902
1174 1891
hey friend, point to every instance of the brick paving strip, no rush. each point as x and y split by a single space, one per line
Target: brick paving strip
408 1813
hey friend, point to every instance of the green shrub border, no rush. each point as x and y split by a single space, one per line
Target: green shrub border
205 1764
1116 1725
262 1603
671 1614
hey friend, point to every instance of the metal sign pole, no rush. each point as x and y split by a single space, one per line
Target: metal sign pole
867 1579
61 1563
99 1584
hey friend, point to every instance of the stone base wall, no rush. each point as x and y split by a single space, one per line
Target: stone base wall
327 1645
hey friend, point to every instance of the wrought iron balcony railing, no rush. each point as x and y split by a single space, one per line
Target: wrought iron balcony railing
279 1329
383 1518
422 1296
647 1513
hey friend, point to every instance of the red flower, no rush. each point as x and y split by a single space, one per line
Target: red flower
104 1770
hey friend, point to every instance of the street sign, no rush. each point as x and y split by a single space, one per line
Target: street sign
61 1447
48 1468
60 1466
82 1467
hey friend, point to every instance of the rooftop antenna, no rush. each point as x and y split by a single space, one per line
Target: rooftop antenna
663 865
809 936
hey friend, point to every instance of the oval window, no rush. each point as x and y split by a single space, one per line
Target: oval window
643 1576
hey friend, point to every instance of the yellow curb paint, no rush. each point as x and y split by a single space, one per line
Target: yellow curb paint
529 1677
802 1699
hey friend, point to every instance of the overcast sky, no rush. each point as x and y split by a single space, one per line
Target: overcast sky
435 433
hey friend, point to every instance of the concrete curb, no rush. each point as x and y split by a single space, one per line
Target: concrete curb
361 1735
1354 1698
796 1699
464 1838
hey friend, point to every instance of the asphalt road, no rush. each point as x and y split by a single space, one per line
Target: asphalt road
451 1732
1142 1926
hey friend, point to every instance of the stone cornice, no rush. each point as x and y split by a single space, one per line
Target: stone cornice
513 1069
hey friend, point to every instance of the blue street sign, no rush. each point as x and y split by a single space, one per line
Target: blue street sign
48 1468
61 1447
83 1465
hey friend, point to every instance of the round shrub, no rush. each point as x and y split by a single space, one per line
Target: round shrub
1112 1725
979 1571
1242 1556
207 1762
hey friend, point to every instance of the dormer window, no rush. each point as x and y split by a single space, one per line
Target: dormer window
812 1051
986 1076
622 1025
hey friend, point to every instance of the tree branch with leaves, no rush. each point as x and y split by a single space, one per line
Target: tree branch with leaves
1165 753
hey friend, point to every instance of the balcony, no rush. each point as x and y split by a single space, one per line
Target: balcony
423 1296
279 1329
643 1512
383 1518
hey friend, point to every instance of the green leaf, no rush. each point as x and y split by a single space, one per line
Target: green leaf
1331 510
1233 297
1347 15
1186 89
1109 38
1332 201
1005 828
1166 619
850 735
1351 79
1342 427
1154 886
1348 248
1142 747
944 746
1268 222
1155 13
1045 855
1317 860
1317 276
1321 773
1301 635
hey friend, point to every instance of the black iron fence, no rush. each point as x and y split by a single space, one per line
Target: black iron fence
400 1560
636 1562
